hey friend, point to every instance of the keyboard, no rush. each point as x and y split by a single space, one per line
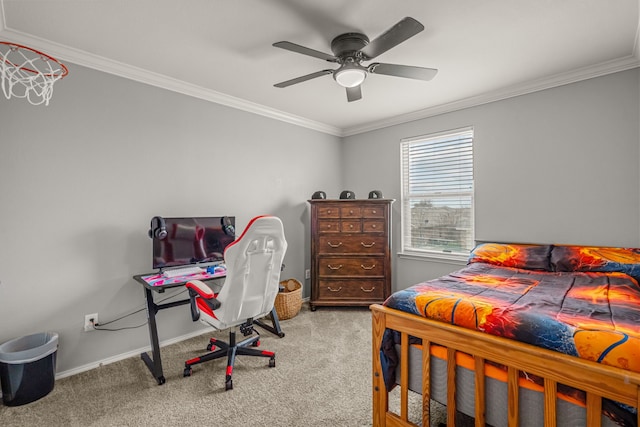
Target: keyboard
182 272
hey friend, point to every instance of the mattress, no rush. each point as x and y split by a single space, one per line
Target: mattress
571 411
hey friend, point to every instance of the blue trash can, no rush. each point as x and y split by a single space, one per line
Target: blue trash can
27 368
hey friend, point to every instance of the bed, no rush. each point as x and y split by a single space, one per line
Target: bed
523 335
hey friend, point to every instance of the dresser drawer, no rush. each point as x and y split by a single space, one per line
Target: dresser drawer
331 211
356 266
328 226
351 289
373 226
352 244
351 212
353 226
373 212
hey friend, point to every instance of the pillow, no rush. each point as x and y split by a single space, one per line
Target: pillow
597 259
530 257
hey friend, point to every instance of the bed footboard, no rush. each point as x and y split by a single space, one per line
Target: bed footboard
596 380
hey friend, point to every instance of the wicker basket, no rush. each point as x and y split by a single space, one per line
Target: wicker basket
289 300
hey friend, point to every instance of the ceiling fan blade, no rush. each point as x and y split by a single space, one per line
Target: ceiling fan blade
410 72
305 51
354 93
303 78
406 28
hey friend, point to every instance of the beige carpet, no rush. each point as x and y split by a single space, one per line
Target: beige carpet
322 378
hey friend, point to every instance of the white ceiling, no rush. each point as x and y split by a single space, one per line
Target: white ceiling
221 50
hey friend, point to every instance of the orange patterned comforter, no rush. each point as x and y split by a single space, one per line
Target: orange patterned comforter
579 301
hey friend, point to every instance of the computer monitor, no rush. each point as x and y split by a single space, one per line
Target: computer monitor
193 240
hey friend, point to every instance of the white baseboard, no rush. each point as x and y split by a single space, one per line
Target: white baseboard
132 353
128 354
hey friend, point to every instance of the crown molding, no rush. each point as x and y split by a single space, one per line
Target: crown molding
562 79
152 78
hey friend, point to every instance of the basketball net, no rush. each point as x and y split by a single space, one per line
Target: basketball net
28 73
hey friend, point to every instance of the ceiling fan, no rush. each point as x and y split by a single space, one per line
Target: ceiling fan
351 49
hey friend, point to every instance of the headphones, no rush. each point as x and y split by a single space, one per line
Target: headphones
158 228
227 226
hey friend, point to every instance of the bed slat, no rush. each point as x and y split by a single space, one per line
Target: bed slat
479 392
513 390
404 377
426 390
594 410
451 387
380 397
550 396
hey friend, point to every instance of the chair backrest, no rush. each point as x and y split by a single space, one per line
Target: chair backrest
253 263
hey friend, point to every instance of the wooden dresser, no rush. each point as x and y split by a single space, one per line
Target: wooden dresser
350 252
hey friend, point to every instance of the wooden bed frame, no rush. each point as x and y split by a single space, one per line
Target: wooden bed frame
598 381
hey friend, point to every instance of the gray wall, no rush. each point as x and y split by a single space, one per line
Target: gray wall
555 166
81 179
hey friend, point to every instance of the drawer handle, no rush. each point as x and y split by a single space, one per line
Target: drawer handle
368 268
334 246
373 226
334 268
350 225
369 245
334 290
351 212
374 211
367 290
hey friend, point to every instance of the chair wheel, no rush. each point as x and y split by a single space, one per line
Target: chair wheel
209 347
161 380
187 372
228 385
272 363
256 344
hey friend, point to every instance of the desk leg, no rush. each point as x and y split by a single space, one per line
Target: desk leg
275 329
154 363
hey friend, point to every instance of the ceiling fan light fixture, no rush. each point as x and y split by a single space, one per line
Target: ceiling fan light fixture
350 76
353 48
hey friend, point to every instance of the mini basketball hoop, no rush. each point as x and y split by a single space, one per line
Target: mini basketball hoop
28 73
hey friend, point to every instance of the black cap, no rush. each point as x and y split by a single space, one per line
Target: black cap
319 195
346 194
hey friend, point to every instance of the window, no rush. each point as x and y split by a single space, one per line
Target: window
437 194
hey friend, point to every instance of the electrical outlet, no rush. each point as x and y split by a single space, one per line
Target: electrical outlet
307 274
88 324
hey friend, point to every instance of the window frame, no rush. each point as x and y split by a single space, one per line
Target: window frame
407 250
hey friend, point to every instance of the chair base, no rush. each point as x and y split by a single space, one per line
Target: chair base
230 350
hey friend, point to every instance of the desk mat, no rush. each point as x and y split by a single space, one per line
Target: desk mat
160 280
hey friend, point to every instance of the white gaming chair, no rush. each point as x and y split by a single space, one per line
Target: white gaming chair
253 264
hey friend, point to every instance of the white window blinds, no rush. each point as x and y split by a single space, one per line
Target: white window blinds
437 193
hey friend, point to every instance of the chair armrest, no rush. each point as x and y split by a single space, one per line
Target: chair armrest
199 288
